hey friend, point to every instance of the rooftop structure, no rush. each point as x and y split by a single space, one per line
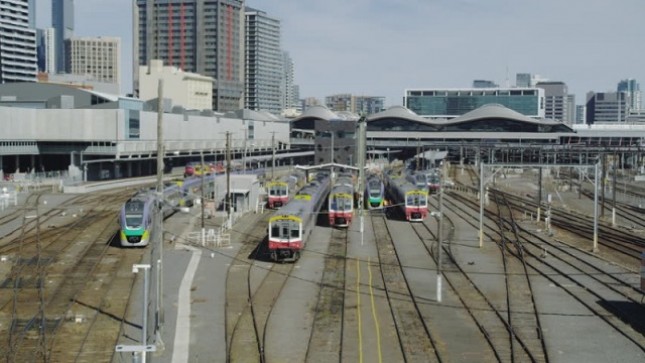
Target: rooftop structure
451 103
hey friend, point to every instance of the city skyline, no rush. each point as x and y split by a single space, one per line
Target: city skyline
382 47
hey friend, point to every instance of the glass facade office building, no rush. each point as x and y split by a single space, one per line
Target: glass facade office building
451 103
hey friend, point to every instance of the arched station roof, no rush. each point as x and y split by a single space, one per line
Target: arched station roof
488 118
309 117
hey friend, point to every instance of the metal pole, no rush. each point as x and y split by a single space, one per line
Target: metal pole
613 192
159 245
273 155
203 201
440 236
332 153
481 204
595 209
144 337
228 179
361 172
244 155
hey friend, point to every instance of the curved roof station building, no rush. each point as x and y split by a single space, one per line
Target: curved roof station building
57 127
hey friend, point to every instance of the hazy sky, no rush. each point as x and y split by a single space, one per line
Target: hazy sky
382 47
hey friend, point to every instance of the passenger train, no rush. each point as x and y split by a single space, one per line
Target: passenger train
291 225
434 180
197 169
341 201
278 190
411 199
418 179
374 191
136 216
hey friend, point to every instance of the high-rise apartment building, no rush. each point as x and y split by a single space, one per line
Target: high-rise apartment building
63 23
18 58
197 36
32 13
632 89
289 90
556 101
99 57
451 103
263 62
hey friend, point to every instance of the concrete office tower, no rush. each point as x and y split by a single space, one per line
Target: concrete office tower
189 90
98 57
556 103
290 98
197 36
263 61
606 107
632 89
18 57
63 22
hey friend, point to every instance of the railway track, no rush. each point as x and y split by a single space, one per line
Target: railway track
619 240
413 332
522 312
581 276
49 273
248 313
326 338
490 316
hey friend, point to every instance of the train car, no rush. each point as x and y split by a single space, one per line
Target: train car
278 190
434 180
136 215
374 192
341 201
136 220
418 179
291 225
197 169
412 200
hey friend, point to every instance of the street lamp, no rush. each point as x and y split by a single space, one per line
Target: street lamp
143 348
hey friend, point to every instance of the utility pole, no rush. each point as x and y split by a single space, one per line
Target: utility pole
272 155
228 178
361 147
203 201
244 155
440 236
159 217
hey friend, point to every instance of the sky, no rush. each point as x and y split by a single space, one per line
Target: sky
382 47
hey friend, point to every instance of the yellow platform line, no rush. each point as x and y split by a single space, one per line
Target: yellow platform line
374 315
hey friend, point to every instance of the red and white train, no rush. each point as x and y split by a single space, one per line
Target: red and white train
291 225
278 190
341 201
412 200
